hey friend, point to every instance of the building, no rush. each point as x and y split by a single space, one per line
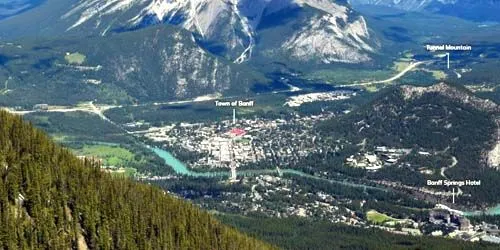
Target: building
371 158
464 224
237 132
41 107
490 228
439 216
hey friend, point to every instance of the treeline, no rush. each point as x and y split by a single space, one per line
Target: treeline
77 129
380 195
491 219
49 199
299 233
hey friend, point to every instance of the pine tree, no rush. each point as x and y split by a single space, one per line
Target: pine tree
49 199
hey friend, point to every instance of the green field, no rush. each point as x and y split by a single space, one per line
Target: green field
348 76
400 65
378 218
122 172
111 155
75 58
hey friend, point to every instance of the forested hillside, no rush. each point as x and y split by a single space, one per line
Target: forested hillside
443 119
49 199
148 65
300 233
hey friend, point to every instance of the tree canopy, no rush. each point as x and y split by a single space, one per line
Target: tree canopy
50 199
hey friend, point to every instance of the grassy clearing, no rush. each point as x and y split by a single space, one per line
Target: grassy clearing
111 155
346 76
401 65
84 105
59 137
378 218
371 88
122 172
382 219
438 74
408 55
243 141
75 58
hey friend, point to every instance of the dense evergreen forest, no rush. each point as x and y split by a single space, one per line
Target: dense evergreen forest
433 122
49 199
300 233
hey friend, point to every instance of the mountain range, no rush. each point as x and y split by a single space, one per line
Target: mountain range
158 63
475 10
151 50
11 8
321 31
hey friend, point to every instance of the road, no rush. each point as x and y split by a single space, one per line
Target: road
395 77
90 107
453 164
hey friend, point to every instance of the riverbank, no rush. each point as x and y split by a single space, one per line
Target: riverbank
181 169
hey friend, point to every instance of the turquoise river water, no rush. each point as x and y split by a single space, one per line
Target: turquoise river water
181 169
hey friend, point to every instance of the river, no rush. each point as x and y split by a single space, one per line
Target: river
181 169
490 211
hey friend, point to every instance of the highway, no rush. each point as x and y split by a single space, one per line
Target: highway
393 78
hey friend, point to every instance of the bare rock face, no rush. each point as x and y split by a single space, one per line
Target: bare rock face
325 40
334 33
494 155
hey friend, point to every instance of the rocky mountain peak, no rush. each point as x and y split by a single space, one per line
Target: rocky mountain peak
333 33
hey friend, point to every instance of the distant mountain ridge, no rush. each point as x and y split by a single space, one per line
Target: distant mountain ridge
13 7
475 10
411 5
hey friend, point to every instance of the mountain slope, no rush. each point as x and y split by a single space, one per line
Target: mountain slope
446 121
153 64
50 199
407 116
331 32
14 7
410 5
475 10
302 233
